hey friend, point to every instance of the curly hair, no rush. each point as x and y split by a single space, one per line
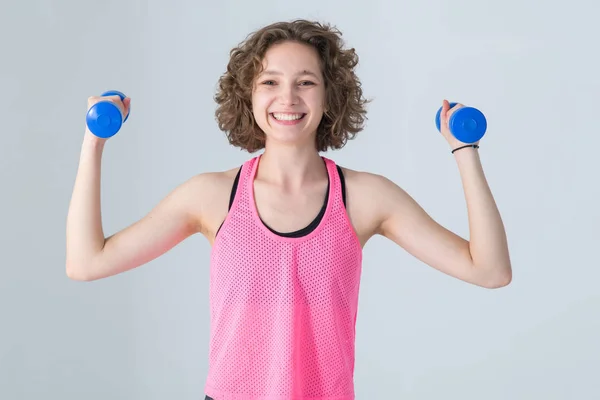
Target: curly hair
345 111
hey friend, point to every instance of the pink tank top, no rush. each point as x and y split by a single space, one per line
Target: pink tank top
283 309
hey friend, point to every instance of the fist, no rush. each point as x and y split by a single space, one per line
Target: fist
121 105
445 116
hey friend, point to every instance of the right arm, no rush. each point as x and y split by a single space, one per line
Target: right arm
91 256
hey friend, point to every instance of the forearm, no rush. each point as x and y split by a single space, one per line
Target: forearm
488 244
85 236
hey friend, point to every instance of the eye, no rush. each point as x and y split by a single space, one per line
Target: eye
306 83
270 82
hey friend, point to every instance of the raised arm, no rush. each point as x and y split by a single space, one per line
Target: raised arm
90 255
483 259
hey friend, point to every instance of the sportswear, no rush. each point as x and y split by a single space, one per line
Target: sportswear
283 307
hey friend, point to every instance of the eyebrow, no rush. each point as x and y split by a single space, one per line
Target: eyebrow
278 73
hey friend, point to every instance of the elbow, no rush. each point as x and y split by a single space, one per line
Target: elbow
74 275
77 273
498 280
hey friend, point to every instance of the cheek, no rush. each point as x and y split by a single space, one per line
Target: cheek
318 99
260 103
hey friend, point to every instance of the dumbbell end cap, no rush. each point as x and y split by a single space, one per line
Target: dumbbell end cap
104 120
468 125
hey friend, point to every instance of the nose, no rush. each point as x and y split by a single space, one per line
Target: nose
288 95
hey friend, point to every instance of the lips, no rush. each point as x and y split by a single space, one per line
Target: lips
287 116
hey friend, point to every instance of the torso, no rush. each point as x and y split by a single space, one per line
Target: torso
284 260
287 212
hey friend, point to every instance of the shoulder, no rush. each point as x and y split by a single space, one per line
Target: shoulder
371 185
206 187
201 199
207 196
371 200
363 178
205 184
212 181
384 204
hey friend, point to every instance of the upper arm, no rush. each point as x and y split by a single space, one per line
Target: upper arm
402 220
176 217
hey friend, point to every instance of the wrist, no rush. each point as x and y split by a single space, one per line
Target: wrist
92 143
465 148
467 158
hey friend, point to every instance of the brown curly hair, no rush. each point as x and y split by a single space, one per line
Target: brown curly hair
345 111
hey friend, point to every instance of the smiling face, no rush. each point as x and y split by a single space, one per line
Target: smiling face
289 95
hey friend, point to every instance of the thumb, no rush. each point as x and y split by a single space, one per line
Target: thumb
126 104
445 109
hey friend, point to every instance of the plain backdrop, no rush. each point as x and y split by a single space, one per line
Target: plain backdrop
531 67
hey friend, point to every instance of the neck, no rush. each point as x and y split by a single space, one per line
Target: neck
291 166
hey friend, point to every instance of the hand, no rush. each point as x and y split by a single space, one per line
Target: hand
123 107
444 128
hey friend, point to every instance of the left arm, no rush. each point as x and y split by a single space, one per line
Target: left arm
483 261
488 244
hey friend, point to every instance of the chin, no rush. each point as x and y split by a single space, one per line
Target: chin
289 138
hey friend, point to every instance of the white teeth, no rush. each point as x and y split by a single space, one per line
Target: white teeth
287 117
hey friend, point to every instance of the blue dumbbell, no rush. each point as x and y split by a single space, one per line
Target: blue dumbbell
104 119
466 124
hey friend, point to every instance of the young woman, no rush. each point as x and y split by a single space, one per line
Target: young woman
287 228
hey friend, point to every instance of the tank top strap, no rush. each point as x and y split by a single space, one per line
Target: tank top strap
241 197
335 183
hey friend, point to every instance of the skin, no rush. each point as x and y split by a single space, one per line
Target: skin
289 188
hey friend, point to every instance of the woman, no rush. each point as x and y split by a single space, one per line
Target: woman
288 227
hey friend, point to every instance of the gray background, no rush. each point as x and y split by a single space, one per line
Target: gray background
531 66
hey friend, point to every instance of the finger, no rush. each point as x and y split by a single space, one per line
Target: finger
127 105
112 97
116 100
456 107
445 108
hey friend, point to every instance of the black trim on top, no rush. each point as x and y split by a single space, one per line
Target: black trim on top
315 222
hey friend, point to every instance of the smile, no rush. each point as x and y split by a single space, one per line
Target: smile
287 116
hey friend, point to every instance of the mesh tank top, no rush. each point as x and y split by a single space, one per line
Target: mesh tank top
283 308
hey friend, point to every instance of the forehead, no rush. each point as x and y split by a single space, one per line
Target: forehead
292 58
